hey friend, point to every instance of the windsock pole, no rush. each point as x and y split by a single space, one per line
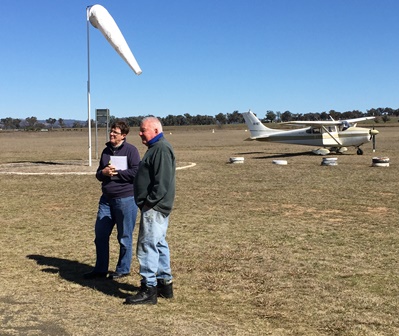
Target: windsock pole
88 83
99 17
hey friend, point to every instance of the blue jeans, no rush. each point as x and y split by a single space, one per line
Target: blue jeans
152 249
122 212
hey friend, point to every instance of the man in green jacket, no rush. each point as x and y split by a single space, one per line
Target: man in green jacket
154 193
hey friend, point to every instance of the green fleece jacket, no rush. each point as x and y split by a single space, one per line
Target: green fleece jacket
155 182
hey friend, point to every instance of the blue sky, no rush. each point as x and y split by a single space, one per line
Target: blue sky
200 57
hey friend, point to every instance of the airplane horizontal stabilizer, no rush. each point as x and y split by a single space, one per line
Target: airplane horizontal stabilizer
256 138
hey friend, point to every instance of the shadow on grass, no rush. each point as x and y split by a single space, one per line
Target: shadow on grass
72 270
50 163
275 156
285 155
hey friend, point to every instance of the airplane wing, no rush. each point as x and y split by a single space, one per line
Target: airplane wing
355 120
313 123
327 122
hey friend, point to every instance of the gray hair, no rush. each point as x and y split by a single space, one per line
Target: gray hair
154 122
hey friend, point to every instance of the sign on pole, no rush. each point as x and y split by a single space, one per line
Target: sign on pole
102 117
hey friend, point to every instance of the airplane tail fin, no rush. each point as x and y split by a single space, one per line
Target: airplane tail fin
255 126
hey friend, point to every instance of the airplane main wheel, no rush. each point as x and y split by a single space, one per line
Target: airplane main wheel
359 151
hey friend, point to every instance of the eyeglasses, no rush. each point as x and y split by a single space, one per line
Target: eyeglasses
114 132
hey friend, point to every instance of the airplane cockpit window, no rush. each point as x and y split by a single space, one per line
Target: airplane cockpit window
331 128
345 125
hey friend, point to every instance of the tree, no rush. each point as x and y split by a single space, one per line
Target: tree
385 117
188 118
61 122
131 121
286 116
221 119
351 114
39 126
389 111
235 118
11 123
51 121
311 116
169 120
204 120
324 116
372 112
270 115
77 124
180 120
335 115
31 123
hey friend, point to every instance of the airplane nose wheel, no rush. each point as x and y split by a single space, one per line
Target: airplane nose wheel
359 151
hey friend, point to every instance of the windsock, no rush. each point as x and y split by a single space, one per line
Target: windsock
103 21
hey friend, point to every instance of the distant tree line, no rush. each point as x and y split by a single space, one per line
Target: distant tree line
187 119
33 124
383 114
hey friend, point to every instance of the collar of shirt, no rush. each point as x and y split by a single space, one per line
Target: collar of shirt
155 139
119 145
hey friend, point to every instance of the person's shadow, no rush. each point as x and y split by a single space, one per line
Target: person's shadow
73 271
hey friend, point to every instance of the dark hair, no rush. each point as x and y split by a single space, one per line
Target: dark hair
122 126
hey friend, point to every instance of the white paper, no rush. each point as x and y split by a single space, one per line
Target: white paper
120 162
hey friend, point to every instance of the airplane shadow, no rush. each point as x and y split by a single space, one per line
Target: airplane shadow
72 270
276 156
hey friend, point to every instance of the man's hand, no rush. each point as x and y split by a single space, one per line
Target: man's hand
109 171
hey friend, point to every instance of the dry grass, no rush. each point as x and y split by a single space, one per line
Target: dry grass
257 248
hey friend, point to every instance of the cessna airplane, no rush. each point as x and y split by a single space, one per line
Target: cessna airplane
336 135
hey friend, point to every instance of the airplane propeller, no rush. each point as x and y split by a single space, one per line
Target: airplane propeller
373 133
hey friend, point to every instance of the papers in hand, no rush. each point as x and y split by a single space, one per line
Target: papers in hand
120 162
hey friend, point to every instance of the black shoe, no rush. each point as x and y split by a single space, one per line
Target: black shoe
94 275
146 295
165 288
116 275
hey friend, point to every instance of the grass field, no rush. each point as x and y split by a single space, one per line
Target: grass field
257 248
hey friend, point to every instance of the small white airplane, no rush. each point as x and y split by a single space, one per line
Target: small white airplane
330 136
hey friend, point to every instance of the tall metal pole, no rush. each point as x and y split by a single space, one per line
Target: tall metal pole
96 146
88 83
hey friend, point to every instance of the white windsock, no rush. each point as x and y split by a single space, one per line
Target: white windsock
102 20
